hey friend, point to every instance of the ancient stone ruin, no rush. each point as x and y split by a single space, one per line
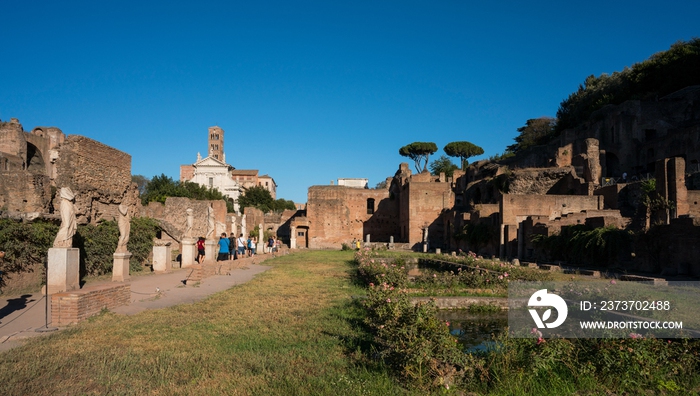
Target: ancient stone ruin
591 175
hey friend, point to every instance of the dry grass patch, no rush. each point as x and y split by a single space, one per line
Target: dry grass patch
285 332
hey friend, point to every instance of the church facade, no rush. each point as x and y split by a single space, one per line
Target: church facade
213 172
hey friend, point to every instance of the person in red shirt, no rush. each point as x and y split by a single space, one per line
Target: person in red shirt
200 250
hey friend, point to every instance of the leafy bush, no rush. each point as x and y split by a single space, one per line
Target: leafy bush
662 74
418 347
97 244
143 232
24 244
413 342
375 270
606 366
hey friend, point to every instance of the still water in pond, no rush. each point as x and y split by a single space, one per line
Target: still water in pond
474 330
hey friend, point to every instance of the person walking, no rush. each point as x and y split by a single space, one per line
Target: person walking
200 250
240 244
270 244
253 244
223 248
232 248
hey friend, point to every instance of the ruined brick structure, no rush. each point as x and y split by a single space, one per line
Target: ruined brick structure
172 216
33 165
339 214
575 179
626 138
409 205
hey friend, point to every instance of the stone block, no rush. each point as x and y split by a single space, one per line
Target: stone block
63 270
189 252
161 258
210 251
120 270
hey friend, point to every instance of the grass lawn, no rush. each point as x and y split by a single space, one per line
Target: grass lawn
293 330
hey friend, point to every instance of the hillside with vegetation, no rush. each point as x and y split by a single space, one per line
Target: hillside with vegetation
662 74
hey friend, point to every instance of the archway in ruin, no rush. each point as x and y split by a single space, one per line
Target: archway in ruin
35 161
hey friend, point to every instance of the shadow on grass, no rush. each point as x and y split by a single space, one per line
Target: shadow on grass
359 342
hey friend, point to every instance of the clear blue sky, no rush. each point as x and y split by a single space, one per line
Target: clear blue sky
312 91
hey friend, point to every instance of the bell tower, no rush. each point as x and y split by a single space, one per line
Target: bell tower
216 143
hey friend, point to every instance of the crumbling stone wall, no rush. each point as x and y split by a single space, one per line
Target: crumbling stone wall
422 202
541 181
515 209
172 216
520 206
671 249
338 214
24 192
277 223
99 175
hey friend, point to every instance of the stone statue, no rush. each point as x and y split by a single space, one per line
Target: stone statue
188 223
124 223
210 222
69 224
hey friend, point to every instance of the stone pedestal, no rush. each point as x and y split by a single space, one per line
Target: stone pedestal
120 270
293 238
210 251
162 255
260 246
189 252
63 270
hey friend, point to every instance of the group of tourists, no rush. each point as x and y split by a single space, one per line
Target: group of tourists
231 248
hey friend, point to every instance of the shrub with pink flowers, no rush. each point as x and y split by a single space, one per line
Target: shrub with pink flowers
413 342
418 346
373 269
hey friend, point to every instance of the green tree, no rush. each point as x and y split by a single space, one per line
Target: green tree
536 131
663 73
283 204
97 244
257 197
463 150
419 152
162 187
442 164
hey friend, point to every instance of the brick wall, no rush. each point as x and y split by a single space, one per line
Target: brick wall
173 215
421 205
339 214
95 172
21 191
75 306
514 206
